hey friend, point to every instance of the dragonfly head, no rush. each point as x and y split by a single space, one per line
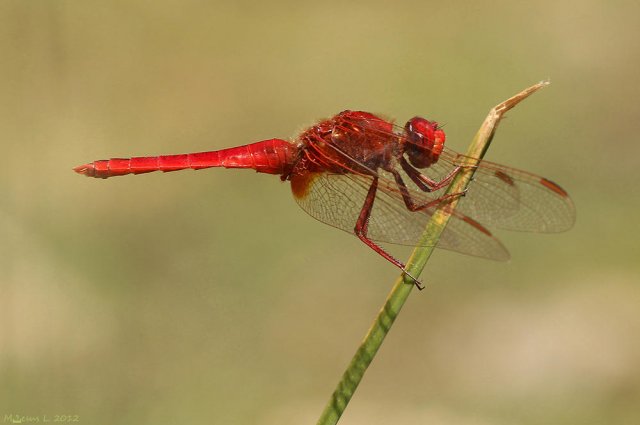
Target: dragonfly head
425 141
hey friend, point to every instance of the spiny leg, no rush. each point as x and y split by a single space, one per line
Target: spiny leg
362 226
425 183
411 204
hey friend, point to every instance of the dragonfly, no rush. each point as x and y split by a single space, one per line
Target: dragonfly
363 174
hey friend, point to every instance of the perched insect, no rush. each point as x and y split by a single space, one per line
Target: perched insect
362 174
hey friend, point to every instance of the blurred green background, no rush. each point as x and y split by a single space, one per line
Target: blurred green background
210 297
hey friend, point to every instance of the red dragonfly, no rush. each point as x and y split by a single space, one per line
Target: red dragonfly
363 174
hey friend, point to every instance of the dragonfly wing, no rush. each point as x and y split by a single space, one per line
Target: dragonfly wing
337 199
511 199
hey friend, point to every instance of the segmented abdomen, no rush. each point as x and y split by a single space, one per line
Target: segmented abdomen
273 156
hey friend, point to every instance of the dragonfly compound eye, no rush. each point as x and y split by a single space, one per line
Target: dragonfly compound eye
425 141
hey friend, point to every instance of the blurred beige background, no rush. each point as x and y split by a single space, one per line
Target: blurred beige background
210 297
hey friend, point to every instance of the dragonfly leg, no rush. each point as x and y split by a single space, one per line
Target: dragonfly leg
411 204
362 226
425 183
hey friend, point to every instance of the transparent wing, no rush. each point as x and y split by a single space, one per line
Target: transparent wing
337 199
507 198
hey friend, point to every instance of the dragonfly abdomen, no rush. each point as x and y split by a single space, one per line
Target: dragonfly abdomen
273 156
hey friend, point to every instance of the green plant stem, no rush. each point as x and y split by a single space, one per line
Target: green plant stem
416 263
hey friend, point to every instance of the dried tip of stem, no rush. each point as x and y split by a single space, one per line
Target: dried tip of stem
513 101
